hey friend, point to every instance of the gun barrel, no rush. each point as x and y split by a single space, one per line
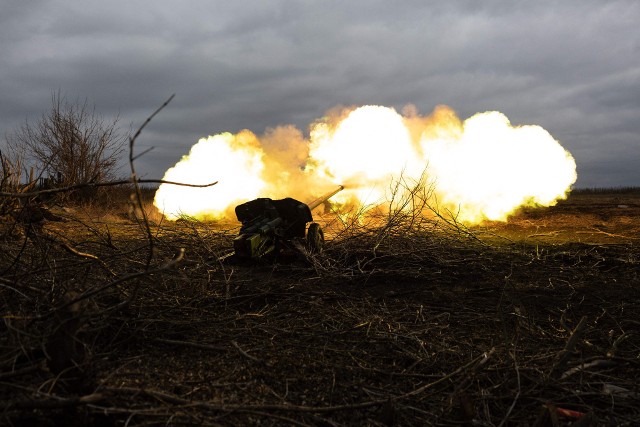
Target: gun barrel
320 200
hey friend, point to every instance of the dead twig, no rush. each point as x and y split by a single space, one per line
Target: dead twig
134 178
244 353
191 344
86 255
50 191
565 355
53 402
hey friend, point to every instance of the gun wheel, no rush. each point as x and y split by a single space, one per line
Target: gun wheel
315 238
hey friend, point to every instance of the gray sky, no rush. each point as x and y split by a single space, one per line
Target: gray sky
571 66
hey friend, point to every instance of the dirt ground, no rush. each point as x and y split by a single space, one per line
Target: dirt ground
532 322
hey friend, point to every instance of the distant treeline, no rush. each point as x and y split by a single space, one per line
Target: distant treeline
610 190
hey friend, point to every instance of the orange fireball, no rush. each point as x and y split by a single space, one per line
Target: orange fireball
482 168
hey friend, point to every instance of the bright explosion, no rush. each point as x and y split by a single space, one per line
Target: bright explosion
482 168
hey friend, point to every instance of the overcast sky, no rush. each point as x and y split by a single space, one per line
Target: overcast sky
571 66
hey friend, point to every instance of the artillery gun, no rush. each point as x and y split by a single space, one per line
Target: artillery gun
268 226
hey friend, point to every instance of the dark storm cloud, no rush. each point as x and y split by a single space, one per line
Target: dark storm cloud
568 66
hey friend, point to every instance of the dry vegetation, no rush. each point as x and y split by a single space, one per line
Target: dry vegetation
111 320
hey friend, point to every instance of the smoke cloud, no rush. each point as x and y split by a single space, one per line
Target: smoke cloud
482 167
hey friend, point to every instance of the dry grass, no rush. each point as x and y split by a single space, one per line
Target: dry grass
406 321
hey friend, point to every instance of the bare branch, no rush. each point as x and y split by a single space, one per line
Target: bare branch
100 184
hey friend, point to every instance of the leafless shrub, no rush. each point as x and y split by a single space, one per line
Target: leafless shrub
71 145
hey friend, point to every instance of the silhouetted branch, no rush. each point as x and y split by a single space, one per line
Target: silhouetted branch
100 184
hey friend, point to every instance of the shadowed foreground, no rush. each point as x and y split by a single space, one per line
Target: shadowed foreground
411 323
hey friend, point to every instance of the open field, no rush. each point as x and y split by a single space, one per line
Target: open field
414 322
